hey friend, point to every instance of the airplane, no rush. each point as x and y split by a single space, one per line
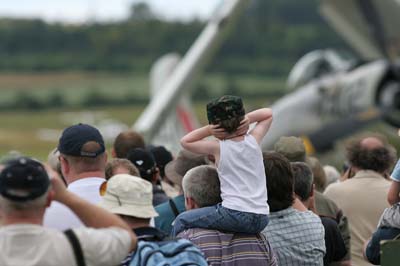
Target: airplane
331 97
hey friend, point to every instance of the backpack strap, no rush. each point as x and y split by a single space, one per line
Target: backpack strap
76 246
173 207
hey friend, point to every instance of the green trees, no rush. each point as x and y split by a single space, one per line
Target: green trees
269 38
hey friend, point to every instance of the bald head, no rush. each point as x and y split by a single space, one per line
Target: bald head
371 143
370 153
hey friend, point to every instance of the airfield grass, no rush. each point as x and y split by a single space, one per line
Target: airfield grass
23 130
36 132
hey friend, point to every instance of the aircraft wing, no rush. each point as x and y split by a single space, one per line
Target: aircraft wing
189 68
371 27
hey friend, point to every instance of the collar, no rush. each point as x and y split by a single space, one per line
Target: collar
367 174
86 181
282 213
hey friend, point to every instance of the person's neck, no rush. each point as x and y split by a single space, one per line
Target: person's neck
235 137
23 218
74 177
135 222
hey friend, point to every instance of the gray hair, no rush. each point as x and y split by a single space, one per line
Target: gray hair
303 180
202 184
8 206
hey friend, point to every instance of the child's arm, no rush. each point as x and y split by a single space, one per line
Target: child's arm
194 141
393 194
263 117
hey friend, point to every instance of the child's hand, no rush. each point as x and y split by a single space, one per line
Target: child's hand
244 126
217 131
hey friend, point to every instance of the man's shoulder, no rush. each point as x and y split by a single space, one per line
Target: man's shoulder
293 220
225 248
165 208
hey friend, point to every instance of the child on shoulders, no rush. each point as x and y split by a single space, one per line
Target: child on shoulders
239 162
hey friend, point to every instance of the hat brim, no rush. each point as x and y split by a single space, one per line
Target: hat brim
172 175
139 211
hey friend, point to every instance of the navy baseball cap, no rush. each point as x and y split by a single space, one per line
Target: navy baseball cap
74 138
23 179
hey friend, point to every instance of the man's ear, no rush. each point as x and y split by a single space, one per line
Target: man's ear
50 198
113 153
312 190
64 166
105 157
190 204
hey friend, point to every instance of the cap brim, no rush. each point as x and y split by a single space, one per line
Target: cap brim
171 174
138 211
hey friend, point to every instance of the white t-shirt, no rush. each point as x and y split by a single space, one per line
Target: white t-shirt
34 245
242 176
60 216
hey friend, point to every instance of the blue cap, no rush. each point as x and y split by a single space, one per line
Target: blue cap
23 179
75 137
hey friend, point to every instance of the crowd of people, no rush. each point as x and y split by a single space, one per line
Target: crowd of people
221 200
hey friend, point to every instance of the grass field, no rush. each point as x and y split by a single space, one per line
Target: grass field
36 133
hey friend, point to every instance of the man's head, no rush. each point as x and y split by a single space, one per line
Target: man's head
120 166
303 181
130 197
370 153
280 181
318 173
227 111
144 161
162 157
126 141
292 148
24 186
81 150
186 160
201 187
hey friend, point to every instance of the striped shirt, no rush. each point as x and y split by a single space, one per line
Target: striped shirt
227 249
298 238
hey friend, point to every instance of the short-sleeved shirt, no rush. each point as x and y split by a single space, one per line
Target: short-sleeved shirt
335 247
242 176
373 250
34 245
166 215
60 216
225 249
296 237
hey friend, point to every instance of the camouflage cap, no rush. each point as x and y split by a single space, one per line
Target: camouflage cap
224 108
292 148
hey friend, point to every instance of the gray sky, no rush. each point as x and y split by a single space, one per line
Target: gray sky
75 11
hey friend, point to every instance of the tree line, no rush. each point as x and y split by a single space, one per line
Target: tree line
268 39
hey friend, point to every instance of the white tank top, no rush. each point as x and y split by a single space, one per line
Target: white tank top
242 176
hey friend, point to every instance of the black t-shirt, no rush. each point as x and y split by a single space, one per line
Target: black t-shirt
335 247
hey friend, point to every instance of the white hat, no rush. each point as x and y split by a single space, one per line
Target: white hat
129 195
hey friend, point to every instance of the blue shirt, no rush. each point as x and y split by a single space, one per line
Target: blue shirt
166 215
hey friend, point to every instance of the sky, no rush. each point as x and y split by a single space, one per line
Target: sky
78 11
